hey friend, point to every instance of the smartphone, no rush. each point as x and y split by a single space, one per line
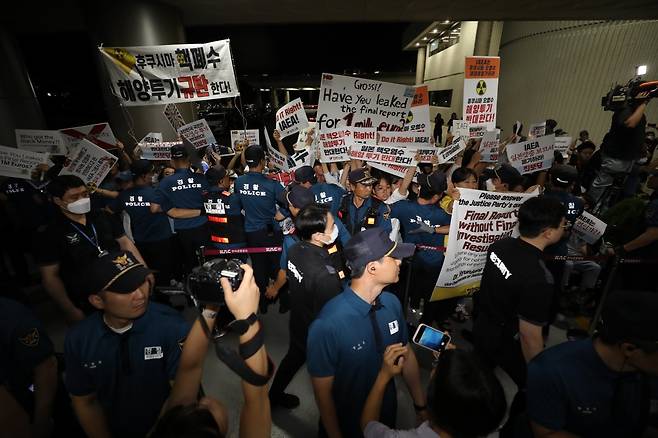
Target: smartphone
431 338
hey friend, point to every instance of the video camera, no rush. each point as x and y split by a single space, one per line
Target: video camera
203 283
621 96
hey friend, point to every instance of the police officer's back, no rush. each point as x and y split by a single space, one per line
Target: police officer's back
325 193
359 210
223 210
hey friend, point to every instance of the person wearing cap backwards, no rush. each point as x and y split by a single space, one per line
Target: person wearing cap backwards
359 210
121 359
224 212
181 197
151 231
324 193
600 387
346 342
258 195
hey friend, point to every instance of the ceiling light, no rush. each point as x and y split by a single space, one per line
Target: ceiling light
641 70
376 72
446 22
417 44
264 89
435 30
424 38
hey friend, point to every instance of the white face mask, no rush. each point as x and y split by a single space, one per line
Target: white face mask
81 206
490 185
333 236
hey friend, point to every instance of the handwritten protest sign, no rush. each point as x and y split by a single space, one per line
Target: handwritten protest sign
589 228
19 163
537 130
41 140
489 146
99 134
403 139
532 155
562 144
449 152
198 133
89 162
383 154
173 115
481 90
157 75
479 219
291 118
335 145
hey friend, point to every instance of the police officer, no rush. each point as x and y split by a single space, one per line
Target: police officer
184 190
257 195
359 210
313 279
224 212
325 193
120 360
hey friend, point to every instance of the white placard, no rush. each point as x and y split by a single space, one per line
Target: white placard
291 118
562 144
19 163
41 140
89 162
157 151
532 155
383 154
99 134
335 145
481 90
490 146
239 138
537 130
198 133
152 137
173 115
302 136
589 227
449 152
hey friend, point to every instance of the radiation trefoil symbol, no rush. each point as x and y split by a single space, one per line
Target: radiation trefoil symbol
481 88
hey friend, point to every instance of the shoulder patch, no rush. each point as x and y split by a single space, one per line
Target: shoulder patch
31 339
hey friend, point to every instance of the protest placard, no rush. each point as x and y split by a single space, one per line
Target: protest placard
562 144
157 75
152 137
276 158
198 133
241 137
489 146
41 140
449 152
304 133
589 228
301 158
383 154
99 134
335 145
173 115
418 116
537 130
291 117
395 170
350 101
476 131
88 162
426 155
479 219
532 155
19 163
403 139
481 90
156 151
363 135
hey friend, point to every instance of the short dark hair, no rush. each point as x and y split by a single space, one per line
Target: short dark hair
464 389
426 192
358 271
186 421
310 220
461 174
538 213
61 183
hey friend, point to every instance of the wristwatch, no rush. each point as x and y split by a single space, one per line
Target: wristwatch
240 326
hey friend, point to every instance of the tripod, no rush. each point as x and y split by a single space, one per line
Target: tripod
611 195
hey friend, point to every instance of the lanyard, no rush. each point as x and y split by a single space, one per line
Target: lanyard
93 241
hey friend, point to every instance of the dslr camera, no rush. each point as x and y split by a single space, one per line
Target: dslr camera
635 91
203 283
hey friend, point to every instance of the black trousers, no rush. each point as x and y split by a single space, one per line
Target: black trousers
161 257
189 241
265 265
290 364
423 281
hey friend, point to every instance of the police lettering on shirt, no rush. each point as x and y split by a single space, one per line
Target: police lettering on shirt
245 190
323 198
182 186
137 201
14 188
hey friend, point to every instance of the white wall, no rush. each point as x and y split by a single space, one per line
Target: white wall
561 69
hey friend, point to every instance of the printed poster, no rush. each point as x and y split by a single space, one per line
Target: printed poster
448 153
335 145
41 140
400 156
241 138
489 146
589 228
532 155
19 163
89 162
291 118
198 133
99 134
481 90
174 117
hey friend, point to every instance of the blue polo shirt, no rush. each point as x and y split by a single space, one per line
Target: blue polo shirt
329 194
145 226
357 215
411 214
183 189
341 343
130 394
257 195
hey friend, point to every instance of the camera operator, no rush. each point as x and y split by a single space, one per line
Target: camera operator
184 414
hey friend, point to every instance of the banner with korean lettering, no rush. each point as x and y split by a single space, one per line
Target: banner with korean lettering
41 140
291 117
198 133
489 146
589 228
448 153
89 162
335 145
156 151
19 163
532 155
383 154
481 90
403 139
418 116
479 219
154 75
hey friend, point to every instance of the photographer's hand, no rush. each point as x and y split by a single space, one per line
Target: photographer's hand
244 301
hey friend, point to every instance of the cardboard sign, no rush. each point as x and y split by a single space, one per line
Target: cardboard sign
383 154
589 227
403 139
489 146
241 138
89 162
532 155
335 145
537 130
19 163
158 75
174 117
479 219
449 152
481 90
99 134
198 133
41 140
291 118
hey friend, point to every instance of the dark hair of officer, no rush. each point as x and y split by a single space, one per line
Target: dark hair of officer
187 421
462 389
310 220
461 174
60 184
539 213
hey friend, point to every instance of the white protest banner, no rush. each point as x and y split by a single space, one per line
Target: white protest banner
476 131
152 137
19 163
349 101
394 170
156 151
589 227
418 116
304 133
449 152
479 219
489 146
364 135
241 137
335 145
383 154
537 130
291 117
173 115
99 134
157 75
481 90
198 133
301 158
41 140
426 155
89 162
403 139
562 144
532 155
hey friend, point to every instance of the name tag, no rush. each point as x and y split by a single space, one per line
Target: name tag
153 353
393 327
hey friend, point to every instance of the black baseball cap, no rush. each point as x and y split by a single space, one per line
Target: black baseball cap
362 176
563 175
253 155
124 176
179 151
373 244
215 174
305 174
141 167
435 181
631 315
297 196
508 174
585 145
118 272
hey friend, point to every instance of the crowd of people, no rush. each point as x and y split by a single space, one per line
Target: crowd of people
360 252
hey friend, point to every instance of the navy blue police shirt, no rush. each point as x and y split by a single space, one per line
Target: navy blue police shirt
356 221
31 208
145 226
183 189
290 239
257 195
341 343
330 194
129 373
230 206
574 207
